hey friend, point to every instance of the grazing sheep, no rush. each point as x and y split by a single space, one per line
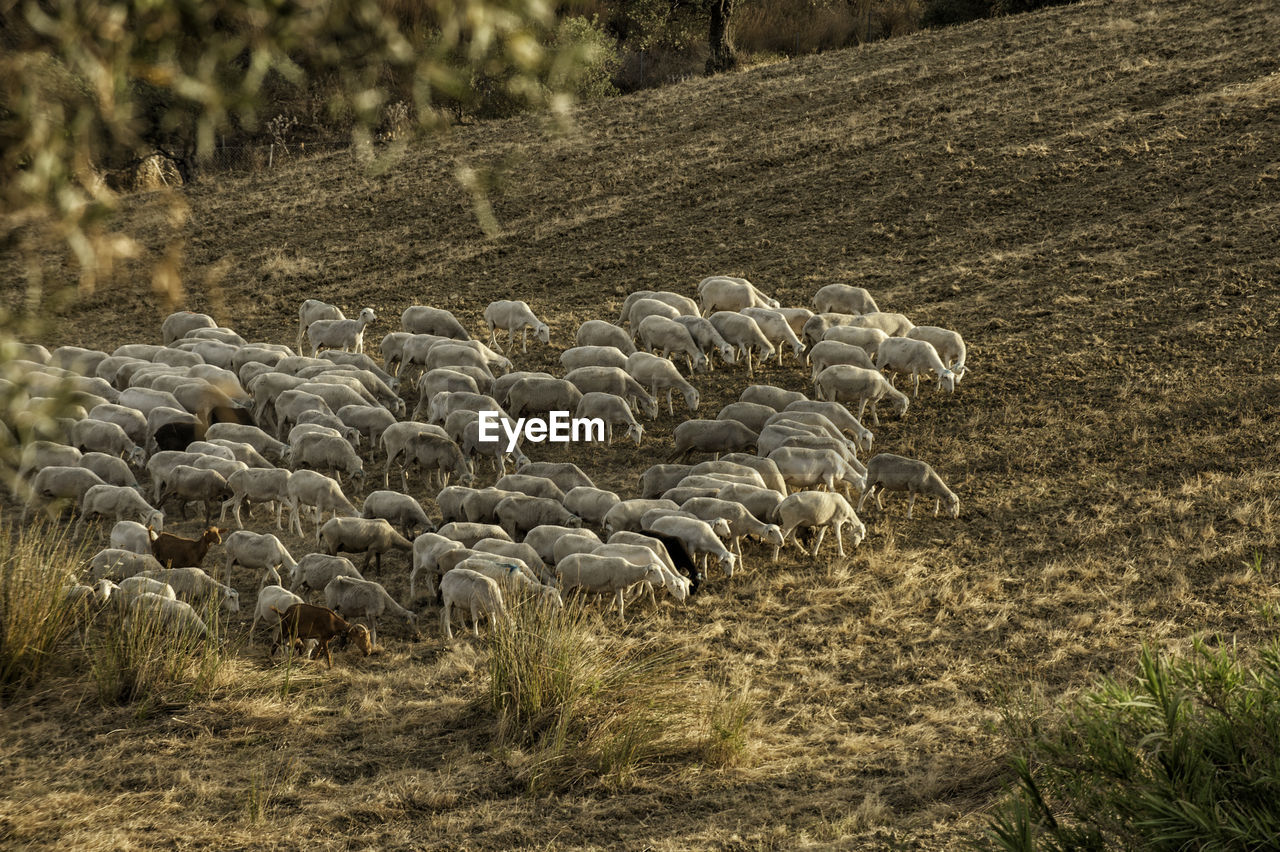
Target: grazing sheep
608 575
661 477
242 452
698 537
776 328
66 485
176 326
613 410
761 502
258 485
370 536
473 446
344 334
172 616
258 553
543 540
513 578
743 332
814 422
303 622
838 415
683 304
328 453
291 404
441 379
118 503
821 509
590 504
116 564
948 344
817 326
888 472
197 588
616 381
601 333
272 600
462 587
828 352
707 339
365 364
741 521
593 356
513 316
427 549
843 383
796 318
519 514
315 571
519 551
355 598
775 398
845 299
41 454
187 483
536 396
131 420
401 510
420 319
129 588
131 536
308 488
646 555
268 446
753 415
868 339
110 469
627 514
711 436
908 355
657 332
894 325
533 486
313 310
439 458
102 437
669 550
722 293
659 374
455 354
806 467
564 474
642 309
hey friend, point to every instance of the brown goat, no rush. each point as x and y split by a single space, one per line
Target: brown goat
174 551
301 622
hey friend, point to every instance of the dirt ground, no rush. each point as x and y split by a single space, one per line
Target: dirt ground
1089 194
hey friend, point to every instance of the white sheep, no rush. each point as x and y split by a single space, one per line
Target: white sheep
741 521
344 334
131 536
776 328
725 293
197 588
659 374
308 488
626 515
608 575
824 353
590 504
401 510
800 435
258 552
512 316
844 383
753 415
531 485
258 485
711 436
313 310
616 381
775 398
583 541
613 410
655 333
907 355
110 469
889 472
804 468
289 405
743 332
821 509
440 379
593 356
370 536
949 345
268 446
698 537
707 339
421 319
187 483
66 485
838 415
894 325
315 570
601 333
480 595
564 474
642 309
176 325
538 396
512 577
118 503
328 453
869 339
845 299
645 555
131 420
42 454
272 600
114 563
166 614
355 598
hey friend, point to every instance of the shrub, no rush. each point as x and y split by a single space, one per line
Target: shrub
1186 756
591 58
35 569
586 705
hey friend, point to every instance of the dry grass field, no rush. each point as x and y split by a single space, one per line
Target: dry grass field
1090 194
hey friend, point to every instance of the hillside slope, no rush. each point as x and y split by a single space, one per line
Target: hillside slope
1090 194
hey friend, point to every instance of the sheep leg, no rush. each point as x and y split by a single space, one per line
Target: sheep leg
525 347
915 384
866 493
445 627
937 505
839 538
822 531
671 408
911 502
620 602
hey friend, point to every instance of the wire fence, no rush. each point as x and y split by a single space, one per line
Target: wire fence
248 159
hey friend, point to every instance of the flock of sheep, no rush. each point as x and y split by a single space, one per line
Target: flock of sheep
228 426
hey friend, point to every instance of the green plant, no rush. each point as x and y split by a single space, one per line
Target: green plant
729 717
587 705
591 76
35 614
1185 756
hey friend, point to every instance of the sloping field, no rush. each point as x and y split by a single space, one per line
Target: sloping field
1090 194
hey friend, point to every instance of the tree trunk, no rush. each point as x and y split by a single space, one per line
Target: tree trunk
722 56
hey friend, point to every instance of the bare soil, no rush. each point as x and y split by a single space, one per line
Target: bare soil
1089 194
